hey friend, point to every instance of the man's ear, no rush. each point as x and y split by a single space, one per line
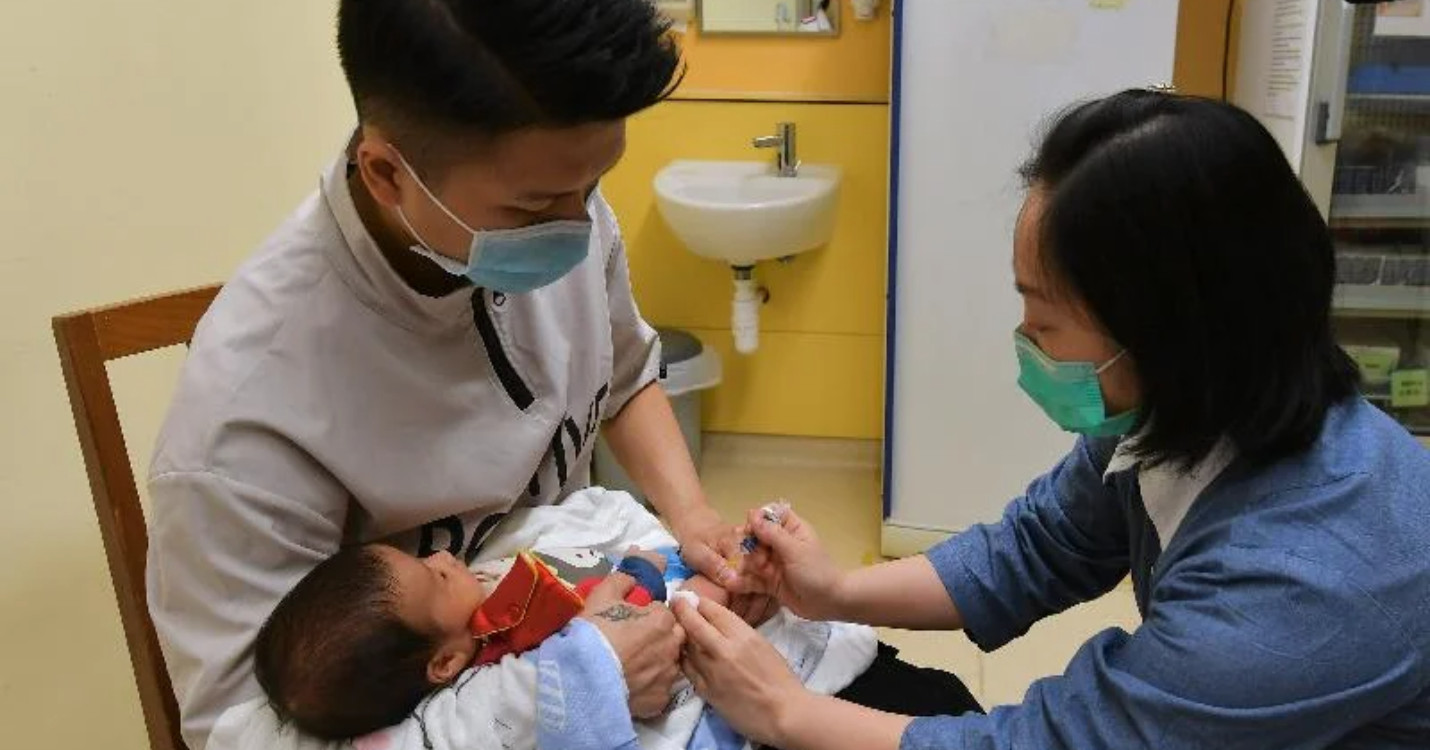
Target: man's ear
381 171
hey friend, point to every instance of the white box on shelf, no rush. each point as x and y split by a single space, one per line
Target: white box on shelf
681 12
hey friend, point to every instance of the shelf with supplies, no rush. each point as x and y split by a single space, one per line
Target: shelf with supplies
1404 394
1417 104
1380 211
1377 301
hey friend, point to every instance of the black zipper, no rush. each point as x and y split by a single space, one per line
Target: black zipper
516 388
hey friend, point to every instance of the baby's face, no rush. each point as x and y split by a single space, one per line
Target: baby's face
437 594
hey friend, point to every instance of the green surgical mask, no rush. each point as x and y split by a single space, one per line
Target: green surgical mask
1070 392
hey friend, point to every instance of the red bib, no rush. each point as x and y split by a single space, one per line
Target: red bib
529 605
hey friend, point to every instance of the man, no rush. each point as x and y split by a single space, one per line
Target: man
433 338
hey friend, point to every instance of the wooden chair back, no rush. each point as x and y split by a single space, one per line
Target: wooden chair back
87 341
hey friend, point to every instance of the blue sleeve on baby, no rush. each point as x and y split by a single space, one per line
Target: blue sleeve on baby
676 571
675 567
647 575
581 695
714 733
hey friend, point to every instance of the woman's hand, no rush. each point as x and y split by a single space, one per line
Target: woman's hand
739 672
792 565
647 640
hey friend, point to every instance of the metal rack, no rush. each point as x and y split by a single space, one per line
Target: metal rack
1380 216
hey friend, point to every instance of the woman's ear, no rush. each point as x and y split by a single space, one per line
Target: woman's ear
448 662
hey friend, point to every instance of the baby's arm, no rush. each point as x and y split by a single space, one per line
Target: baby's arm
651 556
698 584
707 589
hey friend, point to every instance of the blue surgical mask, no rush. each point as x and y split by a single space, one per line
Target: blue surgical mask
512 261
1070 393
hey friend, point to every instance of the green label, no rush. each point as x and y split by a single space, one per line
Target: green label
1410 388
1376 362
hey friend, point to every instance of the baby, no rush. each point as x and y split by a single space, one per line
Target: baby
370 632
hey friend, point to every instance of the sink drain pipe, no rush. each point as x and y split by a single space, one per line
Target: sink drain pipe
745 323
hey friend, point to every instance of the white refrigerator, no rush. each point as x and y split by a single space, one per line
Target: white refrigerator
975 81
1345 88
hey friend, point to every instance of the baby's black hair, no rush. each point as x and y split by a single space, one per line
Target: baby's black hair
335 659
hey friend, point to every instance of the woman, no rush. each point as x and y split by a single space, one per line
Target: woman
1177 283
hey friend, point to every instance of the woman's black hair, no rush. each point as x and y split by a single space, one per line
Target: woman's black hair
1181 227
434 72
335 659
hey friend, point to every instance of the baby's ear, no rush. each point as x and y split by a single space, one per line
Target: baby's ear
446 665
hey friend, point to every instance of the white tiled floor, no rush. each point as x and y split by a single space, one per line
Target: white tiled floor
841 498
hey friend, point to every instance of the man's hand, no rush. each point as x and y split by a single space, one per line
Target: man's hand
708 544
647 641
712 547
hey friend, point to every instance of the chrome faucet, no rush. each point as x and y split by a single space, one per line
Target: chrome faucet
785 158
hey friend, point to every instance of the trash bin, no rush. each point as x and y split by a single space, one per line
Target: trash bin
686 369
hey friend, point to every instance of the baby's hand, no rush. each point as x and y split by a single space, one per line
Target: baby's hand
707 589
654 558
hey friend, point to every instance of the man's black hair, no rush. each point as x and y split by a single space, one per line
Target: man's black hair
441 73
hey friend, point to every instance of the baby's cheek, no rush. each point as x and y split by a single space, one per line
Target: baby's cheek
381 740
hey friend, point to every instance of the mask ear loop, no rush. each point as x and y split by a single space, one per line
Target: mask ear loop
1108 365
428 191
425 248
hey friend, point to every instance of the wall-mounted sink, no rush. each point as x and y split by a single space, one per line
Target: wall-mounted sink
742 212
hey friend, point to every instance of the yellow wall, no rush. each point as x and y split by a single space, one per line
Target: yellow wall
820 364
148 145
854 66
1201 40
819 370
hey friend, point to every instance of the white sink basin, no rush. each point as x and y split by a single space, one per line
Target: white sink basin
742 212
